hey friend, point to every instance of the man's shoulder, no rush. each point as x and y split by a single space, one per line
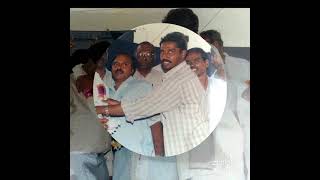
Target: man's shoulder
156 71
72 80
237 59
158 68
137 88
71 76
135 83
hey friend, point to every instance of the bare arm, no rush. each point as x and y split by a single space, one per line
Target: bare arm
157 136
113 108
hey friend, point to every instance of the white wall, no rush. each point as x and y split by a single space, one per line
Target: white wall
154 32
233 23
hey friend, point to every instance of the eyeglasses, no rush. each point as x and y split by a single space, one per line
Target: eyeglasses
146 54
194 61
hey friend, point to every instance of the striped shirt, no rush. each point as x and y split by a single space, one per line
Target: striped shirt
181 100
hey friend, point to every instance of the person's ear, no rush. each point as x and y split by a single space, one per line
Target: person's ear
132 70
216 44
206 63
184 54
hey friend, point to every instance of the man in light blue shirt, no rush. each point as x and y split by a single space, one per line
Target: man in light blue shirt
135 137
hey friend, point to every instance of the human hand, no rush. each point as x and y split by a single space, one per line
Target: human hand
103 122
111 101
102 110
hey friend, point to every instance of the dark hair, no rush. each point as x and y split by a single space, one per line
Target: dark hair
97 50
213 36
183 17
180 39
80 56
133 60
153 51
146 43
204 55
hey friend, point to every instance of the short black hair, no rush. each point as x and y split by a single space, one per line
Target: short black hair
80 56
96 50
183 17
180 39
204 55
212 35
133 60
146 43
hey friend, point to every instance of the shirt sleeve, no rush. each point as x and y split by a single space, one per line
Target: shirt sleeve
154 119
161 99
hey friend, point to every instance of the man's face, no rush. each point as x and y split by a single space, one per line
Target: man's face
122 68
206 39
170 55
145 56
214 43
197 64
90 67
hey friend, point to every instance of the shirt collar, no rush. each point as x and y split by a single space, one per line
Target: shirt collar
138 75
123 84
174 70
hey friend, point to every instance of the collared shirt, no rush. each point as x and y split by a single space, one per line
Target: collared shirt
154 77
107 78
180 100
158 68
135 137
86 133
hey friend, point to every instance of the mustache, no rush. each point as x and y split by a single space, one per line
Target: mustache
119 70
166 60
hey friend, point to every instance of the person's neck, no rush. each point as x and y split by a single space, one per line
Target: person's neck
101 72
144 71
89 74
118 84
204 81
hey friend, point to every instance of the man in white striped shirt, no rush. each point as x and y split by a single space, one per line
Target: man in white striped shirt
180 99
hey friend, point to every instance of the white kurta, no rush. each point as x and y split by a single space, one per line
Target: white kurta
243 111
237 69
227 148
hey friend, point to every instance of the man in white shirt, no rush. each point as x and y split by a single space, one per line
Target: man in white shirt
145 54
136 137
238 71
220 156
236 68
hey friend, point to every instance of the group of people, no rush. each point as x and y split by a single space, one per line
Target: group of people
168 112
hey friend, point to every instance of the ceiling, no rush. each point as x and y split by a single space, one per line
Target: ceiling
233 23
